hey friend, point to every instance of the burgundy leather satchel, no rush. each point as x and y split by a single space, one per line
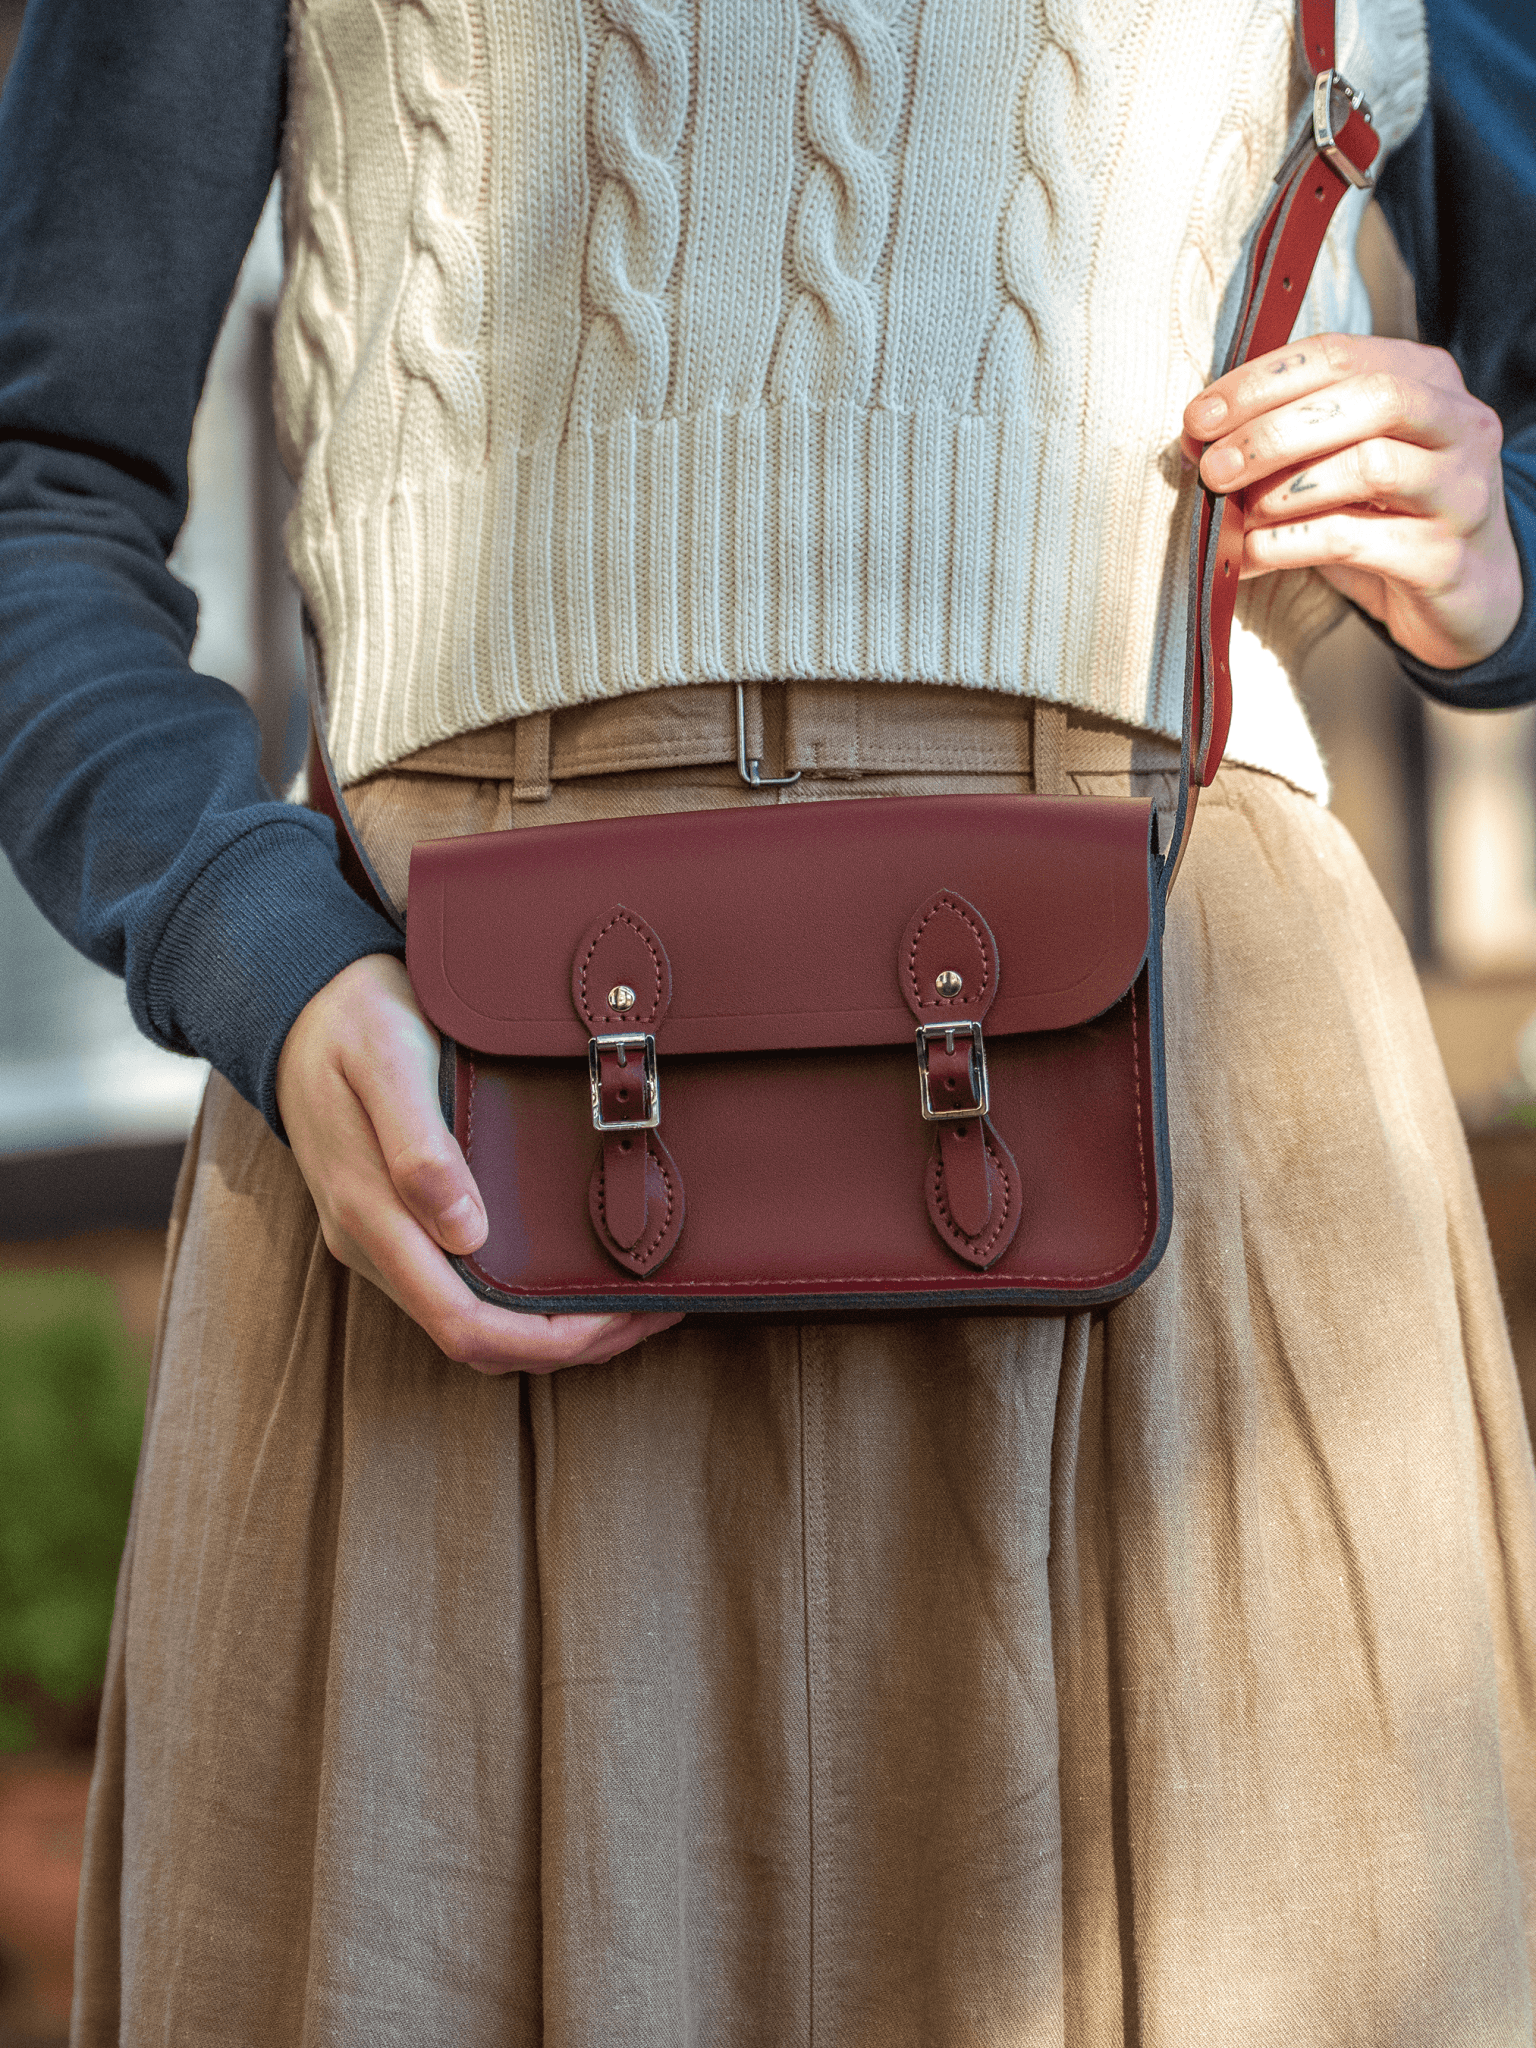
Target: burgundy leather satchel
862 1055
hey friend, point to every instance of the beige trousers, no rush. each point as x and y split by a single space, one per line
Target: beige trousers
1163 1677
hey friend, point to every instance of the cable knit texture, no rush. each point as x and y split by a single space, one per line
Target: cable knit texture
629 343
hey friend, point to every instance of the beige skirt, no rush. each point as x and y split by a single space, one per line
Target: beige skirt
1155 1678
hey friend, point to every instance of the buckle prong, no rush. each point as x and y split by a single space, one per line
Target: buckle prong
623 1043
926 1034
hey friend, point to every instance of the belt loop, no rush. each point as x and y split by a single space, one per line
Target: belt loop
530 758
1049 749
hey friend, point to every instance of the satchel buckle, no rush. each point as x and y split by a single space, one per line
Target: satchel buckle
926 1034
624 1043
1334 99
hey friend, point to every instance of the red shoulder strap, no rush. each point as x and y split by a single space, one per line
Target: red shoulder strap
1334 153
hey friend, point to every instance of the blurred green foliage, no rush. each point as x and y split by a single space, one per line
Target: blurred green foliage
72 1386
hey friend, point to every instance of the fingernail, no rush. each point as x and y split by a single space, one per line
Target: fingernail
1208 411
1223 465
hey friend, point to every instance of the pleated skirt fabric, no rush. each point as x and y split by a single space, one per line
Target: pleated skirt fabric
1160 1677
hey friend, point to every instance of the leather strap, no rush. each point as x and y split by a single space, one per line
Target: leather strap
949 969
325 789
1317 33
621 985
1282 250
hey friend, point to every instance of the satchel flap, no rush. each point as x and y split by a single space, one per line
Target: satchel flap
783 926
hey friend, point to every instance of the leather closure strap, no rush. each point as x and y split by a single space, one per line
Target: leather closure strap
621 986
953 1082
950 970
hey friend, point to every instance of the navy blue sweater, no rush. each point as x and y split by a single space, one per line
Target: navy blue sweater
137 143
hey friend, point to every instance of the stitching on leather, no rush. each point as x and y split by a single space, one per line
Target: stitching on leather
936 1167
947 902
845 1280
1141 1150
484 1272
621 917
645 1250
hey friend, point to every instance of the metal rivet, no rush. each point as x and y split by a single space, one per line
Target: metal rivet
949 983
621 997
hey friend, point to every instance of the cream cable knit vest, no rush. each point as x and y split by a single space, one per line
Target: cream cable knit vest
628 343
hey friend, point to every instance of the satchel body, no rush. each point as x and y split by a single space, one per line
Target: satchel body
814 1054
871 1055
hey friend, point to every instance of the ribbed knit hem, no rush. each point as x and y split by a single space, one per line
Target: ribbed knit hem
780 541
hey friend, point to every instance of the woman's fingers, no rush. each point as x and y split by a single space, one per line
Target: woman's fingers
368 1228
1387 476
1448 598
1379 407
396 1084
1361 588
1369 461
1377 543
356 1086
386 1245
1300 372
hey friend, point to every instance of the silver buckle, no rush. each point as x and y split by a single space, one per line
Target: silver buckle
926 1033
751 772
1326 109
623 1042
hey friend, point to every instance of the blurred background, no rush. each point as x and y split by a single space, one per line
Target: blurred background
93 1118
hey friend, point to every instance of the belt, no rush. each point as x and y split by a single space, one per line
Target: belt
836 731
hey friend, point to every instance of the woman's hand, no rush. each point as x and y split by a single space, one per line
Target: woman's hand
357 1089
1370 461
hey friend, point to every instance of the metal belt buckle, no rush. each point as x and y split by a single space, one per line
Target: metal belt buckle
926 1033
1334 99
751 771
623 1042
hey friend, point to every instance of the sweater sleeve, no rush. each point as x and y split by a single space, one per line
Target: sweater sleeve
1460 196
137 143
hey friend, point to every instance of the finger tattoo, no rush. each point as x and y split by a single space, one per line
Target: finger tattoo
1285 363
1321 409
1300 484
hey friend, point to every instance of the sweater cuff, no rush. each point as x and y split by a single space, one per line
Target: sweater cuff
1508 676
262 929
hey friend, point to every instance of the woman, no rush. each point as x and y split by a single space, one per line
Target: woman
1162 1675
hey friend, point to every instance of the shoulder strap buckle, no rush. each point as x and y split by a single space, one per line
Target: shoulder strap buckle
1335 103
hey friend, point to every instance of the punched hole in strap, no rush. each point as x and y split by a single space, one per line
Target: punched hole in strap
621 1044
927 1036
